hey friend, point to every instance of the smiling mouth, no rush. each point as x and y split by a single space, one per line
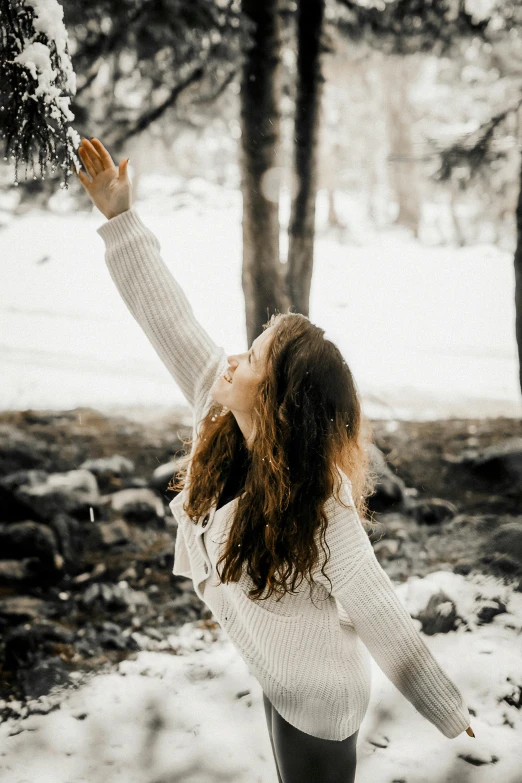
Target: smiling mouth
226 379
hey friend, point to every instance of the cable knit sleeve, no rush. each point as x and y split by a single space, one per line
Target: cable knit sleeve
366 593
159 305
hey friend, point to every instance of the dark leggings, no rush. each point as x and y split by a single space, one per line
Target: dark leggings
302 758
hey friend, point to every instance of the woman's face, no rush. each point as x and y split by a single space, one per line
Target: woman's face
246 371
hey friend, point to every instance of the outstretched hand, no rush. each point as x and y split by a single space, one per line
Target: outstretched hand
469 731
109 187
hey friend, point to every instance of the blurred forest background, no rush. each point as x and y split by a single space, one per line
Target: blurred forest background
413 107
400 123
160 82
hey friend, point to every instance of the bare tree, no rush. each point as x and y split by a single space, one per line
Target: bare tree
260 121
518 282
396 72
310 16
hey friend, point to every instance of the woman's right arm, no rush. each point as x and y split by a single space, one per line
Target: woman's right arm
153 296
158 303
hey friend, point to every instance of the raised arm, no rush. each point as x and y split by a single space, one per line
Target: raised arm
151 293
366 593
159 305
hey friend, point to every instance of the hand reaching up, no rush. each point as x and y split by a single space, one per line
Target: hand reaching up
109 187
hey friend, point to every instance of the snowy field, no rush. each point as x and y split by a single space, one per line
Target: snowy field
198 717
428 330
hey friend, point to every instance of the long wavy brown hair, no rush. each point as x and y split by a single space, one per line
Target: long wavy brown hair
307 420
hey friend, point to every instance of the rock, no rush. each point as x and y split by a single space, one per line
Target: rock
71 492
378 739
490 609
24 608
505 565
394 526
463 522
439 616
486 523
113 597
159 561
40 679
134 482
109 470
71 538
390 490
463 567
104 594
13 508
514 699
142 513
110 627
97 572
507 539
138 505
87 642
433 511
386 547
163 475
14 572
114 532
18 449
21 478
111 636
498 462
31 539
478 758
50 417
129 573
104 466
24 643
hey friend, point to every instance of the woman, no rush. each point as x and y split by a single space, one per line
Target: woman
277 469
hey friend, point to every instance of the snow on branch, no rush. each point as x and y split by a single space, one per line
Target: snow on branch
36 84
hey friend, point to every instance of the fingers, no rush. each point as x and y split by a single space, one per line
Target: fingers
102 153
123 168
84 179
95 159
90 158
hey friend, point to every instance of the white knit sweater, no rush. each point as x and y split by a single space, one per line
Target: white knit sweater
310 657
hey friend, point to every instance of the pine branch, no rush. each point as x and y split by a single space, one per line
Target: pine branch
208 99
147 118
412 26
475 150
36 85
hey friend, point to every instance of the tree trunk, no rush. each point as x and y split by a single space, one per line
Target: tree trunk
403 169
333 217
310 14
518 283
260 121
453 203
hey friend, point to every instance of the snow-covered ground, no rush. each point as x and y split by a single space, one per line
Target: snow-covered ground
197 716
428 331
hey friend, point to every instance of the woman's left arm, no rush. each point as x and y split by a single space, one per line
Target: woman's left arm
384 625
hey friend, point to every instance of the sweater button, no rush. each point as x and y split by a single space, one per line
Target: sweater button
205 521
